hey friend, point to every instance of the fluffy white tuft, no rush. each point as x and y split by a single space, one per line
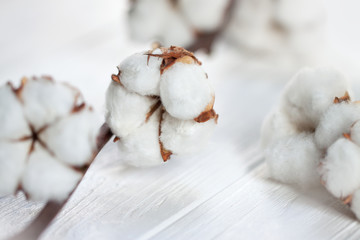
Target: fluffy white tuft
336 121
141 73
294 160
276 126
341 168
45 101
12 121
73 139
309 93
141 148
204 15
125 111
185 91
185 136
46 178
12 162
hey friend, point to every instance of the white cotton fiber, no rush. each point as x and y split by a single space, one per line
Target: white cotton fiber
45 101
355 204
141 148
336 121
125 111
12 121
355 132
12 163
341 168
147 18
309 93
294 160
204 15
185 91
141 73
276 126
46 178
185 136
73 138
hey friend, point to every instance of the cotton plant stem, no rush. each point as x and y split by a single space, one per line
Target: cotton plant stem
51 209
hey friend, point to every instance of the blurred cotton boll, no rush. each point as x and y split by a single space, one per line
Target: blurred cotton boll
46 154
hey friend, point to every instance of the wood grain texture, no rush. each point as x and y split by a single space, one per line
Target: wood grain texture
220 193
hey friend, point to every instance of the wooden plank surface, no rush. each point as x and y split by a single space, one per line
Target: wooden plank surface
220 193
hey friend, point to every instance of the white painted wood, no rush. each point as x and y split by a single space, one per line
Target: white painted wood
220 193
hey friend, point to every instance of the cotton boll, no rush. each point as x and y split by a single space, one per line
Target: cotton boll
336 121
204 15
341 169
12 121
294 160
141 73
125 111
355 204
355 132
276 126
176 31
147 18
185 91
73 139
309 93
184 136
141 148
45 101
12 161
46 178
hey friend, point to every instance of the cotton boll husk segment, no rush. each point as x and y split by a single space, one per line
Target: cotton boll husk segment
46 178
45 101
309 93
125 111
141 148
204 15
355 204
73 138
185 90
147 18
185 136
13 156
294 160
140 73
336 121
276 126
340 171
12 121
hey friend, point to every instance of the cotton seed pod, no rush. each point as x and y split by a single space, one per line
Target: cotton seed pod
340 170
337 120
149 129
47 156
309 94
294 160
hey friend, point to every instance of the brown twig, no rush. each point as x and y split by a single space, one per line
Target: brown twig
51 209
